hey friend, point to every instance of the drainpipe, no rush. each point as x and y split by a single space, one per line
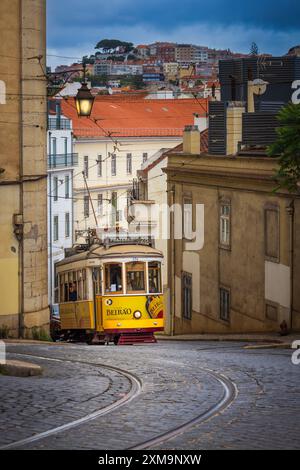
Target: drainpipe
291 213
173 252
50 223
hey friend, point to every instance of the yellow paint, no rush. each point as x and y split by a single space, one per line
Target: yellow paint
9 285
77 315
113 313
118 312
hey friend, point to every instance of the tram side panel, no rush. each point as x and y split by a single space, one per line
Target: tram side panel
133 313
77 315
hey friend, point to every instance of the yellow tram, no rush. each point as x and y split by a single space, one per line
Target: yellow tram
112 293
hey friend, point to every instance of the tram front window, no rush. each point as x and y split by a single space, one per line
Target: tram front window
135 277
113 278
154 278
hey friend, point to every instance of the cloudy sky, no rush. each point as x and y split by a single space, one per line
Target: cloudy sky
75 26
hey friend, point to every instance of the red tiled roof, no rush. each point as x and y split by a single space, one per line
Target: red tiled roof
135 117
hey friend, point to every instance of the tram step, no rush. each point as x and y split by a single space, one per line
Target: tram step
134 338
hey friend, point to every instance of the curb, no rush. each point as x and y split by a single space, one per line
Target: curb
20 369
246 339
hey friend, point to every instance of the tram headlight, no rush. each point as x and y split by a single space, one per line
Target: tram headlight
137 314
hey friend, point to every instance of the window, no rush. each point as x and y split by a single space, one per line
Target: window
67 225
86 208
55 228
97 281
67 186
225 214
272 233
55 190
113 278
86 166
188 218
135 277
187 296
54 146
113 165
145 157
73 286
66 150
154 269
114 207
100 204
129 163
224 304
99 165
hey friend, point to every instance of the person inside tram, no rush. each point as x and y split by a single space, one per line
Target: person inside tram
115 279
73 292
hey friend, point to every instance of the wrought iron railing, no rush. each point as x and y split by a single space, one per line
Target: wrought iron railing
59 124
62 160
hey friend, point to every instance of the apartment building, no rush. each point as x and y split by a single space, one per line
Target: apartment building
62 162
111 151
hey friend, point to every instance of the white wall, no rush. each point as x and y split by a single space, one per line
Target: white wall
59 207
106 184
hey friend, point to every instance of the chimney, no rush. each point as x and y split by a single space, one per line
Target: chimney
234 117
191 140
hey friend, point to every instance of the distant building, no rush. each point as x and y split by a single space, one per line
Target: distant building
170 70
103 67
126 69
184 53
143 50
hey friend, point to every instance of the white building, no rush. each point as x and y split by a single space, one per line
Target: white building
61 164
111 151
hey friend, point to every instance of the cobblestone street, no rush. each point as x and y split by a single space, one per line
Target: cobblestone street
175 383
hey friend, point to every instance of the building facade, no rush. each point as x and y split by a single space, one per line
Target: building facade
110 153
240 281
62 162
23 178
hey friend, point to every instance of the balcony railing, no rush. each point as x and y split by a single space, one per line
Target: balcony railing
62 160
61 124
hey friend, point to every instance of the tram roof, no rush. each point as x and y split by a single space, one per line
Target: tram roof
100 251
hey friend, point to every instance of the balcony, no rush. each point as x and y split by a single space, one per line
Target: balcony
62 161
62 124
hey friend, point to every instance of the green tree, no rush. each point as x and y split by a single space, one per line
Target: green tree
287 148
254 49
113 44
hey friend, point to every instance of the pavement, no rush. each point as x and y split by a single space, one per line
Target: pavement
176 387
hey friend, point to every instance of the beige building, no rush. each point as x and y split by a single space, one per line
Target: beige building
23 214
246 276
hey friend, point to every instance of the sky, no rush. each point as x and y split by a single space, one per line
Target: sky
75 26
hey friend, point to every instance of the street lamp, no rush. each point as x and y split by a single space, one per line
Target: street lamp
84 98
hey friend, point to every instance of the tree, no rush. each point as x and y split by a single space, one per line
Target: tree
287 147
254 49
113 44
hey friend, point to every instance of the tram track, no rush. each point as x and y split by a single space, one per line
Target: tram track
135 390
230 393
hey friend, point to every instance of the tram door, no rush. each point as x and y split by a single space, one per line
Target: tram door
97 285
